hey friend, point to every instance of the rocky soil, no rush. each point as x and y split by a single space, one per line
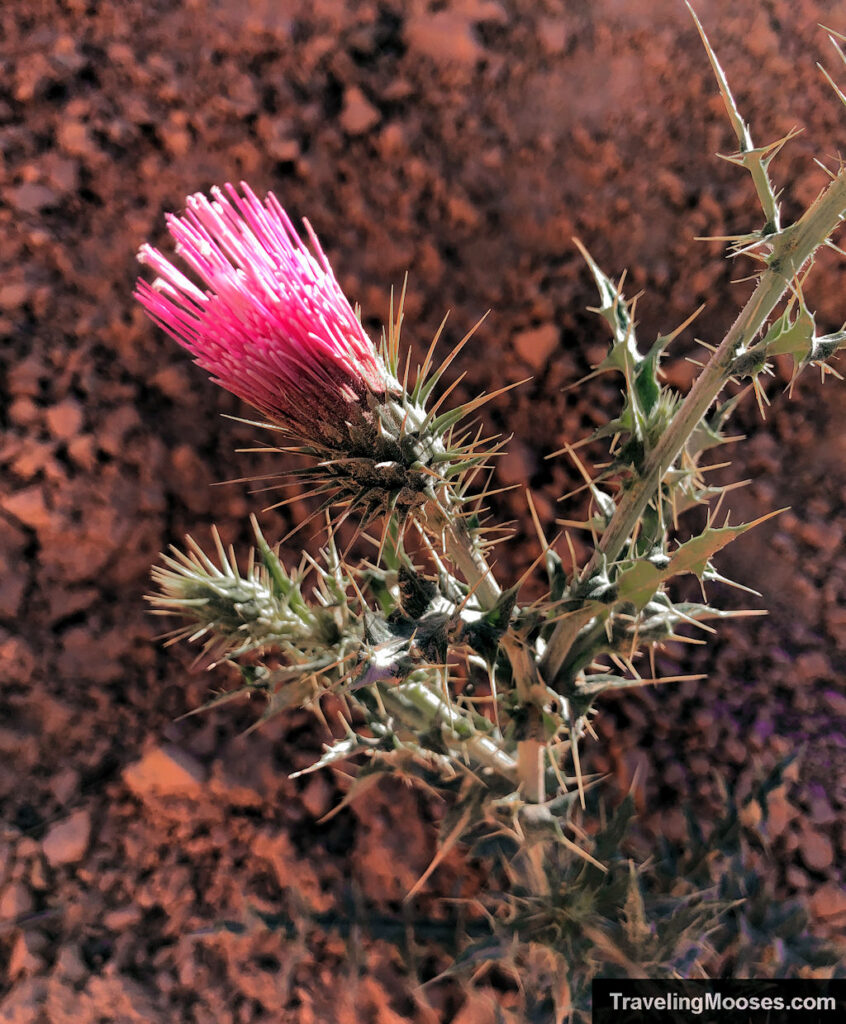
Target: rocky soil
466 142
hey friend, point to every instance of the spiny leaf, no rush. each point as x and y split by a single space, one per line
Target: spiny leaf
295 693
218 700
787 336
282 585
615 310
639 583
340 750
755 160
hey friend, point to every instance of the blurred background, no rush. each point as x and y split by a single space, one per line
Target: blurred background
465 142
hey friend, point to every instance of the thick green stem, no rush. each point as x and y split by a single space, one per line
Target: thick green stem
445 523
792 248
530 767
417 704
531 747
464 552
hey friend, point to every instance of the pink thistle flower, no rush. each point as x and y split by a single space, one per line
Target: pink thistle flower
272 325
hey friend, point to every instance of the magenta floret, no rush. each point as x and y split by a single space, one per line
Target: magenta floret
268 319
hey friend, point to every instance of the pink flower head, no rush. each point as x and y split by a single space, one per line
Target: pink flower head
272 324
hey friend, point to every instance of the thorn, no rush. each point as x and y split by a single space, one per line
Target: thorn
530 570
299 526
436 376
823 167
483 399
574 746
423 371
431 413
475 587
574 565
832 83
536 520
667 339
761 397
578 463
450 841
575 848
569 447
293 498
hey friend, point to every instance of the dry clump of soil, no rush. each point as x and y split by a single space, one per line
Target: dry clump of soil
466 142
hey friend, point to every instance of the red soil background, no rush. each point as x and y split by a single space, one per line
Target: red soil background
467 143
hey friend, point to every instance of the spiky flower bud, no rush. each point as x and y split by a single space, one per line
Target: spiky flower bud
272 324
266 317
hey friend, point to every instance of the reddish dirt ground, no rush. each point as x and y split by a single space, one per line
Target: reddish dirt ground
466 142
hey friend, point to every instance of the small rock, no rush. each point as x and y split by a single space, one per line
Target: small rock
816 849
70 965
780 812
552 34
317 796
67 53
74 138
480 1007
797 878
751 814
122 999
65 785
735 750
176 139
27 848
391 140
32 457
445 37
25 957
37 877
25 1003
164 770
829 901
28 507
65 419
236 784
812 666
173 381
23 411
12 296
359 115
835 702
12 589
536 345
81 450
15 902
67 840
821 812
61 173
32 198
122 918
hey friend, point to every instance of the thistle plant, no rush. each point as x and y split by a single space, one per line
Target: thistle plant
446 674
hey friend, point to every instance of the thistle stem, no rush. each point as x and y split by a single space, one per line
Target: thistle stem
463 551
792 247
530 768
417 704
531 747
